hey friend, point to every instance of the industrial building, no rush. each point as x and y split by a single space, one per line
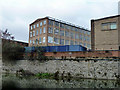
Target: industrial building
48 31
105 33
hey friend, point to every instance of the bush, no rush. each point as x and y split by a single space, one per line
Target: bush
40 53
12 51
44 75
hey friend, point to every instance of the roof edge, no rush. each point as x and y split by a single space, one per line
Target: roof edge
105 18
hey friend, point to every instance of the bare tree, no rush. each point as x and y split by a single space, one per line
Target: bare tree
6 35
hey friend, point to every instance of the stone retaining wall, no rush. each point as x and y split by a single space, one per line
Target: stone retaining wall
97 69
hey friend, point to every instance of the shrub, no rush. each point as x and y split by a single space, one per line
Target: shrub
40 53
12 51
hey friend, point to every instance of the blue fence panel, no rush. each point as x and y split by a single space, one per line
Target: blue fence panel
74 48
29 49
61 48
52 48
77 48
83 48
47 49
65 48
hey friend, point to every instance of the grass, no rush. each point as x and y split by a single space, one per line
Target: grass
44 75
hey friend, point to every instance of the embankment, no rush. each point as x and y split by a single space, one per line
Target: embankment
96 69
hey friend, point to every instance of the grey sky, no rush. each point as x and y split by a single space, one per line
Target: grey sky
16 15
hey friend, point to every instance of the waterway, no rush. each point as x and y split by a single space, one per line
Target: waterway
13 81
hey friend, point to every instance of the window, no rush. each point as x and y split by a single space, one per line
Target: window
84 38
88 45
84 32
88 38
36 32
66 27
30 34
56 40
62 41
76 29
33 33
50 39
81 31
66 33
40 41
80 37
37 25
104 26
44 29
72 28
113 26
43 39
31 28
44 22
40 23
56 24
62 25
80 43
36 41
33 42
50 22
66 42
108 26
71 42
76 43
40 30
84 44
50 30
88 33
34 26
72 35
76 36
61 33
56 31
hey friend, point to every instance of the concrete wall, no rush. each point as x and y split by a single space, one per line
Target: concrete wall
98 69
105 39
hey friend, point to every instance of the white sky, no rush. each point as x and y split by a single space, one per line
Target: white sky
16 15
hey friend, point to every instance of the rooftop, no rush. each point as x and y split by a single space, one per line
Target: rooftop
106 18
60 21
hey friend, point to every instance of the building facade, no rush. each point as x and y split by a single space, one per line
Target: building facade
105 33
53 32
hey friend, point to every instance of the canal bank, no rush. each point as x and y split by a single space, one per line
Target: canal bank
89 68
13 81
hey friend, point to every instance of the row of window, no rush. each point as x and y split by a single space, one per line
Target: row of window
32 33
56 31
67 27
68 34
58 41
61 41
109 25
62 33
38 41
38 24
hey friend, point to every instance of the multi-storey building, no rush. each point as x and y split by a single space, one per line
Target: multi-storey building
52 32
105 33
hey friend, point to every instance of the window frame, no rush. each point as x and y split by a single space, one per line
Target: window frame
107 26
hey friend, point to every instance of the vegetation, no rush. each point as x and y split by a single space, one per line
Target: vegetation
45 75
11 51
37 54
40 53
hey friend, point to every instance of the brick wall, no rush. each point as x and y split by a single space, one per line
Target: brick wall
103 54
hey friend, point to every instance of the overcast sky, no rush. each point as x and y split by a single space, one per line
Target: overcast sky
16 15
